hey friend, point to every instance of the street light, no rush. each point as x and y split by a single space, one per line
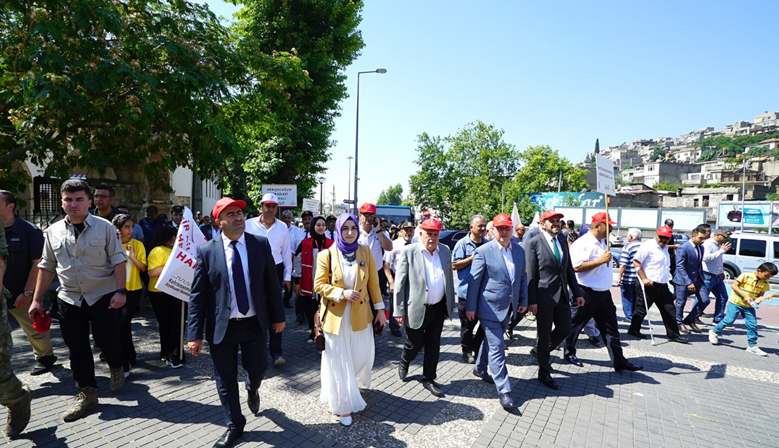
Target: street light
744 189
348 183
321 191
357 131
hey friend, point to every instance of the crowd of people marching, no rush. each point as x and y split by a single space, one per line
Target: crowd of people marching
340 269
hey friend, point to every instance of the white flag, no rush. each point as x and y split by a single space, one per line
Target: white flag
515 217
179 271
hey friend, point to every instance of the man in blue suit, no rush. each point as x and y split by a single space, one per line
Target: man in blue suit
498 285
235 299
688 279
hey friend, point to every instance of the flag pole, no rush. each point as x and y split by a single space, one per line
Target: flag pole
181 342
608 230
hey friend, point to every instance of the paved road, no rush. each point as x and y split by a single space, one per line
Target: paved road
689 395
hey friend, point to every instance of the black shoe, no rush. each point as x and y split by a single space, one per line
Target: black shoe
484 376
595 342
629 367
507 402
468 358
679 339
574 360
43 365
547 381
509 333
637 334
228 438
433 388
534 352
254 401
402 370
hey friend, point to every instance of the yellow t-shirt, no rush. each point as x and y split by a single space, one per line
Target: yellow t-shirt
134 279
158 257
751 286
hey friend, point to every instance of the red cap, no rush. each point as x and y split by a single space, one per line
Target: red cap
426 213
549 214
502 220
368 208
42 322
665 231
602 217
224 203
431 224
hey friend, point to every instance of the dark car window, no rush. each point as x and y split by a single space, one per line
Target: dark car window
752 248
776 249
458 236
733 244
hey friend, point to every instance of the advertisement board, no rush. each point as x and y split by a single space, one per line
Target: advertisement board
548 201
753 215
310 205
287 193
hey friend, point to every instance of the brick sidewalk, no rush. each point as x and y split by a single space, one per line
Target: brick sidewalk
689 395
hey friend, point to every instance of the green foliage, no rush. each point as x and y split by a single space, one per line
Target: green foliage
708 154
667 186
463 174
658 154
391 196
773 196
293 147
597 146
97 83
713 186
737 143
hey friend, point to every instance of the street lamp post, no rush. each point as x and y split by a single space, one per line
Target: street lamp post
348 183
743 189
357 132
321 195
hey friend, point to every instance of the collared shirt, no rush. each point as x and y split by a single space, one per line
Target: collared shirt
435 275
751 286
712 257
464 248
391 257
552 241
229 254
588 248
25 244
373 241
84 266
629 277
330 234
278 237
508 258
655 261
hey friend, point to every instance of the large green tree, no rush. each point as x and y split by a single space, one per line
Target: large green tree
324 35
391 196
141 83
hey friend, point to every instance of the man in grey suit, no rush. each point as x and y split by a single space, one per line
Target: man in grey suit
549 275
424 297
498 285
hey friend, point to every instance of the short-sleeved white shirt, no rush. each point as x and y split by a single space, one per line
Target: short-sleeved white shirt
655 262
373 241
588 248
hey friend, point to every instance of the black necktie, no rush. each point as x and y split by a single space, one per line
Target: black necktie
241 298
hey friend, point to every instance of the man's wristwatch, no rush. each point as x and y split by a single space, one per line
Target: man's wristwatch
27 293
121 291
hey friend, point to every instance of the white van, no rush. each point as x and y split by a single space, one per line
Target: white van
748 251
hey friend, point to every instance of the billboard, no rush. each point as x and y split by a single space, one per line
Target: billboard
548 201
286 193
753 214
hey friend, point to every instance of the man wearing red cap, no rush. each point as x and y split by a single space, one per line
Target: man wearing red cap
592 263
497 287
653 267
424 297
376 239
234 311
549 275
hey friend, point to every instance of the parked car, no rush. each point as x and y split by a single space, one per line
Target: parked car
450 237
748 251
680 238
616 253
616 240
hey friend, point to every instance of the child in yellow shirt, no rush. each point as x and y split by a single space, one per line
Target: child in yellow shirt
136 263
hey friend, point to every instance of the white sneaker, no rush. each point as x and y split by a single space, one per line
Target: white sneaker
756 351
530 316
713 337
346 421
279 361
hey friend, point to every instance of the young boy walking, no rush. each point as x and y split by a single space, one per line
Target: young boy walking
748 290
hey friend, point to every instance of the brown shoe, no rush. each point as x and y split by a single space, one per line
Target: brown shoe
683 329
19 414
86 399
694 328
117 379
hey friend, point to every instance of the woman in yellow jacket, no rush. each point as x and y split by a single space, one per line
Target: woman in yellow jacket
347 279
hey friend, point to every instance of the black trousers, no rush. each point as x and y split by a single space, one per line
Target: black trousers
168 311
126 314
660 295
558 315
246 335
310 306
273 337
469 341
383 282
427 336
599 306
394 326
75 323
515 319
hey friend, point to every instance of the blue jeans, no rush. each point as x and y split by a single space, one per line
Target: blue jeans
682 293
713 284
749 320
628 299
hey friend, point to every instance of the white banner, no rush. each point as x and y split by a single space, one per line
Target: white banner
605 171
179 271
286 193
310 205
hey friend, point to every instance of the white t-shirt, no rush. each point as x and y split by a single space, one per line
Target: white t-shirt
655 262
278 237
588 248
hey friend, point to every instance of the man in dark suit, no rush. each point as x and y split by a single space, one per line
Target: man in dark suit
549 275
235 298
424 297
498 285
688 279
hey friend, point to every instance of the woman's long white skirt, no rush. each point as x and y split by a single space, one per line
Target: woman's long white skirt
347 360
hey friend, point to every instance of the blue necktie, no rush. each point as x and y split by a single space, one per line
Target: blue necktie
241 298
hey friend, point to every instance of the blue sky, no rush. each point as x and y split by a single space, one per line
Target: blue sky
548 73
